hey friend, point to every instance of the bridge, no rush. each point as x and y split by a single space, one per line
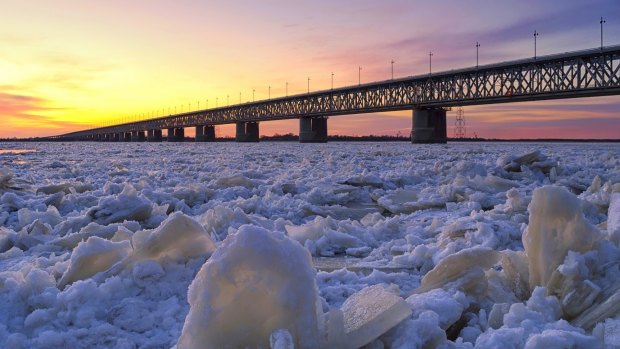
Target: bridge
587 73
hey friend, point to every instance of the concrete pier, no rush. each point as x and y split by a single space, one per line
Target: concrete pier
247 132
205 133
153 136
429 126
138 136
313 129
176 134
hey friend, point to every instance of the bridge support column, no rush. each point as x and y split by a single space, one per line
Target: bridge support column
153 136
209 133
137 136
313 129
127 137
205 133
429 126
247 132
200 129
176 134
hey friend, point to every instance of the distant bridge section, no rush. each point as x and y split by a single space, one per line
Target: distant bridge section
587 73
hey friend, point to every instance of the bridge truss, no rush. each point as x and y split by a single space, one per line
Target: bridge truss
587 73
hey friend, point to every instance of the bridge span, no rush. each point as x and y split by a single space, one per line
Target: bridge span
587 73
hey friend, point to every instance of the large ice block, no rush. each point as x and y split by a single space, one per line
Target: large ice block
557 225
256 282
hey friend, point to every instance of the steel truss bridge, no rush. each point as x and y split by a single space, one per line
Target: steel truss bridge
587 73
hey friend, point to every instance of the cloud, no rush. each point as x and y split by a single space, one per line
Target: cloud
22 114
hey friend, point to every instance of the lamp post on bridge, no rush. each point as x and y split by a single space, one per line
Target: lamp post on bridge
477 47
286 93
216 99
535 36
269 92
332 80
228 100
359 75
602 22
239 97
430 63
392 69
253 94
308 85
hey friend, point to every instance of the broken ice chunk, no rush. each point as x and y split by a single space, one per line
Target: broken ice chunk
281 339
179 237
496 316
468 264
128 205
557 225
255 283
370 313
93 256
608 307
580 298
515 268
613 218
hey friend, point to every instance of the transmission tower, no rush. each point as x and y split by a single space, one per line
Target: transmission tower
459 124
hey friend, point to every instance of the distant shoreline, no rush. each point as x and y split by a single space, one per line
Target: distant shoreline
371 138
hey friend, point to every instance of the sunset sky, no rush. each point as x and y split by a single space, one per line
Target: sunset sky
72 64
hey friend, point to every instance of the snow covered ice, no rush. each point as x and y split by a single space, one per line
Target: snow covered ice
281 245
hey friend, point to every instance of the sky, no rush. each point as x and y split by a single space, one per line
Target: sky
68 65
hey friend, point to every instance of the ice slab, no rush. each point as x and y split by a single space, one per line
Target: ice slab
466 266
256 282
179 237
606 307
613 218
93 256
557 225
371 312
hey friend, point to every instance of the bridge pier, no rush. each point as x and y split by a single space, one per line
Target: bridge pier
137 136
205 133
126 136
429 126
176 134
153 135
247 131
313 129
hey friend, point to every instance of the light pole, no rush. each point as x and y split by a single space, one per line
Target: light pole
286 93
269 92
216 99
535 36
207 103
228 100
430 62
332 80
308 85
477 46
253 94
359 75
198 105
239 97
392 69
602 22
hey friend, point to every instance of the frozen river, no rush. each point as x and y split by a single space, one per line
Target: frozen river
92 253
